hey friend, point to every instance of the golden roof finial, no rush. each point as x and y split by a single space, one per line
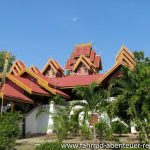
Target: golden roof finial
7 55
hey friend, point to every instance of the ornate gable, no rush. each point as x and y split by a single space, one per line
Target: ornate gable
17 67
84 59
52 69
126 57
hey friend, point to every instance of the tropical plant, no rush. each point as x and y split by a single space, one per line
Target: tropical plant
9 130
104 130
119 128
93 100
85 132
74 124
61 118
61 123
2 60
132 96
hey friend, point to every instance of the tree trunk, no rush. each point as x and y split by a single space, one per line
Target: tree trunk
94 131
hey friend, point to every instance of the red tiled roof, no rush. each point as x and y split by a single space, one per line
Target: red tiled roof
46 79
11 92
33 86
82 50
92 56
35 70
97 61
72 81
85 50
68 65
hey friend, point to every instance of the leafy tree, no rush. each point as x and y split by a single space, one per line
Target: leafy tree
2 60
95 101
133 96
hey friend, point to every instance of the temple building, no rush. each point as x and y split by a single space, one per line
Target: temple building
84 61
30 88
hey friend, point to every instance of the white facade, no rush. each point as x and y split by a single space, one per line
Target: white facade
39 120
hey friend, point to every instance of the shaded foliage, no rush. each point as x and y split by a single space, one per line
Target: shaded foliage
9 130
133 96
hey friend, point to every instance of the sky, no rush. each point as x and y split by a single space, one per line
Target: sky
35 30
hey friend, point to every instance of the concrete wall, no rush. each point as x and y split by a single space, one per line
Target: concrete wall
39 124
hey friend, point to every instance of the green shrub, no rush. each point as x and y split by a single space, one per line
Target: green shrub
85 132
9 130
52 146
104 130
118 127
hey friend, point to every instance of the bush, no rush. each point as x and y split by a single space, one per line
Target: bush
9 130
118 127
85 132
104 130
52 146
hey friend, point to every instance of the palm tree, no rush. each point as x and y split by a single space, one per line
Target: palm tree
61 119
93 100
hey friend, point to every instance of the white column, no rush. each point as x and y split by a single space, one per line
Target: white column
50 120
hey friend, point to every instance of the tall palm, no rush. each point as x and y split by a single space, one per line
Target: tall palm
93 100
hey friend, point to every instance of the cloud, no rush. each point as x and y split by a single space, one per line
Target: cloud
74 19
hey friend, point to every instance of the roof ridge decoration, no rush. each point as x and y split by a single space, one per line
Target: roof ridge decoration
56 68
84 44
17 67
124 55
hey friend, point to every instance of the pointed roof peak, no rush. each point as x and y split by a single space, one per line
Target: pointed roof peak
17 67
124 48
125 56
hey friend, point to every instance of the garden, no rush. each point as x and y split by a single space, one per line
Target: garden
131 105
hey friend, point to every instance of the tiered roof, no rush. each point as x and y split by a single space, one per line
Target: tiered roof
81 52
22 82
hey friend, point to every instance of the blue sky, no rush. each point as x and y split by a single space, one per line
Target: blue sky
35 30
